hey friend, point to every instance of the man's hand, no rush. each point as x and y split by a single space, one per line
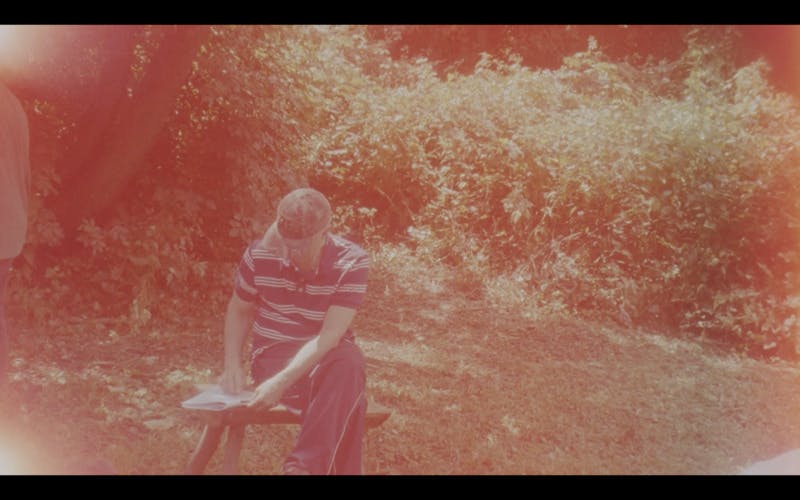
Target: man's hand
232 379
267 394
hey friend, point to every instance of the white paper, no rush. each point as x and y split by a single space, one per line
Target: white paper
214 398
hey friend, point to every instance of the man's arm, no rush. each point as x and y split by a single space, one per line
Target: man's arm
238 319
337 321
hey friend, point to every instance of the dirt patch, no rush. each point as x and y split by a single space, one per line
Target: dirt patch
474 390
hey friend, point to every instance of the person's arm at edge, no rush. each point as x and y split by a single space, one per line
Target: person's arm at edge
238 318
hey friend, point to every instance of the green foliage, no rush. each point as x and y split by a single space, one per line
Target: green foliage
659 193
662 194
228 154
459 47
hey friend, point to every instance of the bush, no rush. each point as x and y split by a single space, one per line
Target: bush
662 194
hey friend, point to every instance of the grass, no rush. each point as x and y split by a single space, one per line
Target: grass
475 390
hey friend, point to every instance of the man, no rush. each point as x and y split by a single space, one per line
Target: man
14 188
299 288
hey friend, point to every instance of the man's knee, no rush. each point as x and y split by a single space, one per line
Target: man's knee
347 355
345 363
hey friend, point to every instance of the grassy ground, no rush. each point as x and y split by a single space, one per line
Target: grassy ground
474 391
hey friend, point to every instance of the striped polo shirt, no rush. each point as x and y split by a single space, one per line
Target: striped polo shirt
290 308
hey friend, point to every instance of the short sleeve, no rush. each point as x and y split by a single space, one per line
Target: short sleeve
244 282
352 285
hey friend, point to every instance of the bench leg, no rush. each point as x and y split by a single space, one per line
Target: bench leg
233 447
205 448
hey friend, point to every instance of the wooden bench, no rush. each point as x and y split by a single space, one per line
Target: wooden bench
236 419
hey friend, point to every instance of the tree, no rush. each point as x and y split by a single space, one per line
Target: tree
134 123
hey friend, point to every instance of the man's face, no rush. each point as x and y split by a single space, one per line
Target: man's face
305 256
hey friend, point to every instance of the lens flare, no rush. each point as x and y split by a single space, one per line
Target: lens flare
25 47
6 33
15 448
10 45
8 465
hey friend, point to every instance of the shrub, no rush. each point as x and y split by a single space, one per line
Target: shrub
661 194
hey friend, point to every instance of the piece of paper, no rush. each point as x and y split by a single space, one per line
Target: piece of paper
215 399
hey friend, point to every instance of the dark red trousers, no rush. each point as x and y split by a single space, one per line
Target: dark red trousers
332 402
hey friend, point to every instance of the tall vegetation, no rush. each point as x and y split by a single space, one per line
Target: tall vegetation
659 192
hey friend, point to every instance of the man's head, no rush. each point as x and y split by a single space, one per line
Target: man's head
304 217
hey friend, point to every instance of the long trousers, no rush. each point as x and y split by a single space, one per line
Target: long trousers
332 403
